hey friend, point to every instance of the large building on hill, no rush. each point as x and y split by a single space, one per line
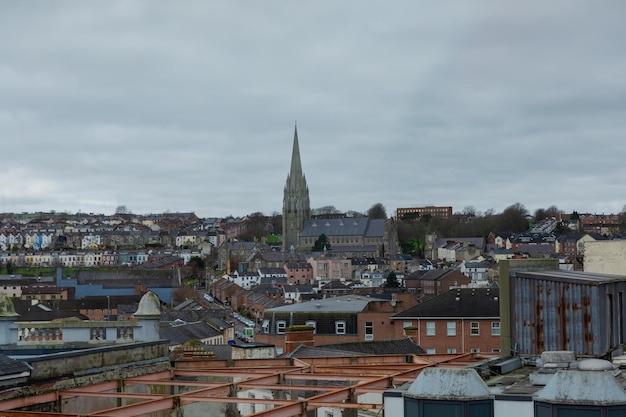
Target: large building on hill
348 236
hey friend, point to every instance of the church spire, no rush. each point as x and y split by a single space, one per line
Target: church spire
296 165
296 205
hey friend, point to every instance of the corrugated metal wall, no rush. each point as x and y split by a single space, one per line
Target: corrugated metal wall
555 314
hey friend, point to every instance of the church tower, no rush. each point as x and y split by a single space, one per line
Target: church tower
296 205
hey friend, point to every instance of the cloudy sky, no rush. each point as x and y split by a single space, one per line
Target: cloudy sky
191 105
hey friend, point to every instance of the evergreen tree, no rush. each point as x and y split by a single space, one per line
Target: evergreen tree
321 243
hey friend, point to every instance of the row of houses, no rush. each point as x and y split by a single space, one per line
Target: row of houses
163 259
45 231
571 244
47 240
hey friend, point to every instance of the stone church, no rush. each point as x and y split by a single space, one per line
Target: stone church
348 236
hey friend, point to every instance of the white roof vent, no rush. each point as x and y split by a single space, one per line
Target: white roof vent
595 365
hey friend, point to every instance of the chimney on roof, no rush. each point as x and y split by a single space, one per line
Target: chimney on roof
299 335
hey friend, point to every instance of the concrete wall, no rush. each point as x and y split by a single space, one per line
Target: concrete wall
253 352
95 360
605 257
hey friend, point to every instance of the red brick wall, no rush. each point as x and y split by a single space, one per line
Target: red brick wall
462 341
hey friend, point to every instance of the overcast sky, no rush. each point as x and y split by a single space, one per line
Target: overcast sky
190 106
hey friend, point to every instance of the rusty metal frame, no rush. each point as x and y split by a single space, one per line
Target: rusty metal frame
336 383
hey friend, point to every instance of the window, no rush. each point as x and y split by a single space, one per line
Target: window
474 328
280 326
495 328
430 328
313 324
369 330
564 410
437 408
340 327
474 350
451 350
407 324
431 351
452 328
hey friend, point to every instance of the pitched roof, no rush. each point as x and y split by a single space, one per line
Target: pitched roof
179 334
354 226
10 367
436 274
457 303
379 347
479 242
343 304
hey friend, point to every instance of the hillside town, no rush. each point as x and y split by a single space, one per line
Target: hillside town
171 297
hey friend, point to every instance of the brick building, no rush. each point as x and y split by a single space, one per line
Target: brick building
461 320
348 318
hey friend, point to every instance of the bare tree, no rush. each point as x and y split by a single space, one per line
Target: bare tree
513 218
377 211
324 211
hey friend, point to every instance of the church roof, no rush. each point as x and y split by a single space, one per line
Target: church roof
352 226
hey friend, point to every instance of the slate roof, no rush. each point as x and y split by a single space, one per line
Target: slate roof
218 323
10 367
415 275
343 304
435 274
354 226
233 246
98 302
177 335
379 347
534 251
272 271
338 248
273 280
317 352
299 265
335 285
574 237
130 278
472 303
479 242
42 312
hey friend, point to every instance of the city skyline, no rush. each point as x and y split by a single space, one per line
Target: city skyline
159 107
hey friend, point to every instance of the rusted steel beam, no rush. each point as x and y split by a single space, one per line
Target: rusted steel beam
327 377
360 406
185 399
28 401
382 383
267 379
178 383
220 391
332 397
150 377
291 410
245 385
240 373
133 410
72 394
100 387
35 414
